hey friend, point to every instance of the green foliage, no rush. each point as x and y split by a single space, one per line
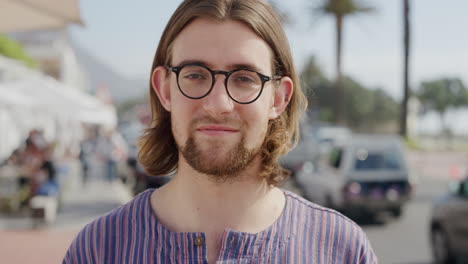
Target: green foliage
312 76
339 9
412 144
12 49
365 109
442 94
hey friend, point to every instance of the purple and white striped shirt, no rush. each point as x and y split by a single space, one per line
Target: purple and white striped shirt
304 233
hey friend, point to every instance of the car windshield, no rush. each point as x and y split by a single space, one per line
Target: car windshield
383 160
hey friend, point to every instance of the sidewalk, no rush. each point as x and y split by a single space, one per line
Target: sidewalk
19 243
83 204
34 246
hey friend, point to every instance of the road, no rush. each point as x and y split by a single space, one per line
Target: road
406 240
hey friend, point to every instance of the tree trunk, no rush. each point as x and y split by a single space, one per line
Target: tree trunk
339 77
406 88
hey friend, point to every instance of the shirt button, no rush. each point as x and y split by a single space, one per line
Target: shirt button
199 241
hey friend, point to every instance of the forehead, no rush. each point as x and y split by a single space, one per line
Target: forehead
220 44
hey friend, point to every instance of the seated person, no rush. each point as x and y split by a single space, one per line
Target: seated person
49 186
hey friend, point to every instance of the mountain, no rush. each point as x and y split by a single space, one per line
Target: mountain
101 75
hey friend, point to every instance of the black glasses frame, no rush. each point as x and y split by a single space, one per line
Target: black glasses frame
263 78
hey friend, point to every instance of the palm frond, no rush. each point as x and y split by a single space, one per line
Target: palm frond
343 7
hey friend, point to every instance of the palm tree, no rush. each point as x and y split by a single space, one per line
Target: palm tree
340 9
406 89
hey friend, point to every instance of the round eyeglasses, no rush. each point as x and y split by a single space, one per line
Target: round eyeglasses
244 86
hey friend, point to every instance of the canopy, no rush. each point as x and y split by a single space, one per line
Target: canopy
58 101
10 98
10 136
25 15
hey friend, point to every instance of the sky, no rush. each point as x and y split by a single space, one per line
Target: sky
124 34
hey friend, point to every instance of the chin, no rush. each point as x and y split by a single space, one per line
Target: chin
218 160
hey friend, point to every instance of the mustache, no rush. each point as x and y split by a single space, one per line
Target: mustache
216 121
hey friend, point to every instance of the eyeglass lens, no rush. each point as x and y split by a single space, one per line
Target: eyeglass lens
242 85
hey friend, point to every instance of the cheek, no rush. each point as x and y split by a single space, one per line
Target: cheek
180 123
181 106
258 120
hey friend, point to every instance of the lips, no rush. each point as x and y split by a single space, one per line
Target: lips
217 129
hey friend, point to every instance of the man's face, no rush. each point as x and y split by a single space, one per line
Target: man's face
215 135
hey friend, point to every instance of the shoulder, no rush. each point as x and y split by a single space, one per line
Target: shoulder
335 233
316 215
309 209
102 235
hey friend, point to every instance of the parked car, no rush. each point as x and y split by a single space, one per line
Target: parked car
367 174
449 225
329 136
306 150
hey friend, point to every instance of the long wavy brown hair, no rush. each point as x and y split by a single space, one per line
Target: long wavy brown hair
158 150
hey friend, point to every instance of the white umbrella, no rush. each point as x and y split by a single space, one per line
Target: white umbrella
25 15
10 135
64 102
9 97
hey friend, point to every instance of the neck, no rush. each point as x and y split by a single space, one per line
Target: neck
193 202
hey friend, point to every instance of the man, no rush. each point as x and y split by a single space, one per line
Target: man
225 100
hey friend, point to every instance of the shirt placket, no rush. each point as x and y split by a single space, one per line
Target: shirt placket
197 242
232 249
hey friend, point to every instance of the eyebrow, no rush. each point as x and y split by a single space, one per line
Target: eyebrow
235 66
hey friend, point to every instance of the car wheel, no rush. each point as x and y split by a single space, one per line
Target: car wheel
440 247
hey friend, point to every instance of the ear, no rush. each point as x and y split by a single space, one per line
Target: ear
281 97
161 85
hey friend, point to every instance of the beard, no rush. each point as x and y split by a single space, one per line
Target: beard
214 160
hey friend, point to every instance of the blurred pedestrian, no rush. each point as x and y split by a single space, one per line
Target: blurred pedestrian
112 149
226 103
31 159
87 151
104 148
49 184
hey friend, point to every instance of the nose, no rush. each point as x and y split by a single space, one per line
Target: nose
218 101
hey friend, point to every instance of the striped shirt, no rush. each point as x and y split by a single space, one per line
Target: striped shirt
304 233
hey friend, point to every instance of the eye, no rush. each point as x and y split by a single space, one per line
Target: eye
194 76
245 79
